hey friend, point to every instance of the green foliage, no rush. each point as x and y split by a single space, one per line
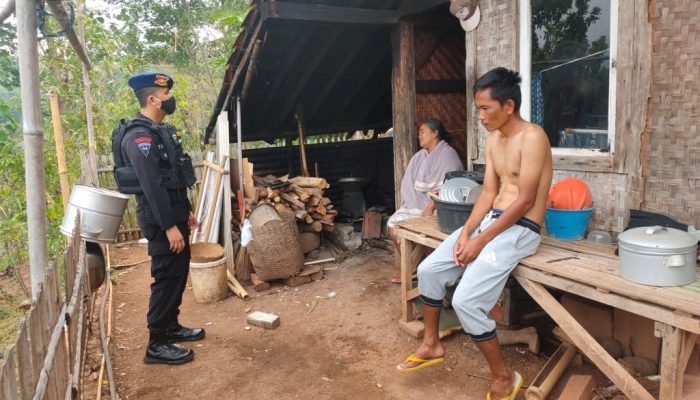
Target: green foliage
190 40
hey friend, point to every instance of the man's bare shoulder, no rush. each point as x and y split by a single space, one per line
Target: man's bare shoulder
535 133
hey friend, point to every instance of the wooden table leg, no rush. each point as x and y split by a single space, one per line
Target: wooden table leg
676 347
407 267
585 342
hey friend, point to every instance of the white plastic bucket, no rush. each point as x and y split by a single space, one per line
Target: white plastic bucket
209 281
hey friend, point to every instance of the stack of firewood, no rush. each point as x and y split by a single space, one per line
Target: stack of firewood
301 195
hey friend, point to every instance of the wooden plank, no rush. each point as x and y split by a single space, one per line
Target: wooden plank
671 375
602 272
403 100
8 375
407 267
441 86
418 238
644 309
585 342
472 117
27 381
322 13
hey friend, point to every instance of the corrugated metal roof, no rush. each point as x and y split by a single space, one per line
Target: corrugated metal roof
331 64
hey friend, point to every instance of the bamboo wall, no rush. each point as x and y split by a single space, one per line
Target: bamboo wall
673 171
446 62
662 142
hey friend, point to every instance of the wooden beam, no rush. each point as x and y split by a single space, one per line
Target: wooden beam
417 6
585 342
322 13
441 86
60 13
403 101
671 348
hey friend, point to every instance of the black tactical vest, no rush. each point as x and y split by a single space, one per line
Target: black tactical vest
175 166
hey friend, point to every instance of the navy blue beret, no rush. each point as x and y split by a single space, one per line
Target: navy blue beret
150 79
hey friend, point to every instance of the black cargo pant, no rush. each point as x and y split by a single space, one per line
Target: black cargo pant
169 272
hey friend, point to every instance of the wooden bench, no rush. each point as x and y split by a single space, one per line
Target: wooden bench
590 271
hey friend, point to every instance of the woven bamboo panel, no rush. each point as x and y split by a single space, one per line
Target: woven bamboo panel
673 180
609 198
497 44
445 62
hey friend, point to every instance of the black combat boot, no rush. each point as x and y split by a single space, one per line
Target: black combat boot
178 333
161 351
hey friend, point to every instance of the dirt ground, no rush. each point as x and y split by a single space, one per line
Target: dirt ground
346 348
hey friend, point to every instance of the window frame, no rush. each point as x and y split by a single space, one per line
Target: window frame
565 158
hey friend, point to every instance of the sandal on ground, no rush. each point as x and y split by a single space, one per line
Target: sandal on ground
517 384
422 363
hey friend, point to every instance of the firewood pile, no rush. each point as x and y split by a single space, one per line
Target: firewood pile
301 195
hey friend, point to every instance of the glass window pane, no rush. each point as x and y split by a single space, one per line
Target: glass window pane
570 71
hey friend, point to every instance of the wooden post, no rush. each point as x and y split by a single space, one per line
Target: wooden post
302 146
92 172
403 101
33 131
60 151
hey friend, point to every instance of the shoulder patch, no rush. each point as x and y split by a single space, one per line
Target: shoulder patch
144 144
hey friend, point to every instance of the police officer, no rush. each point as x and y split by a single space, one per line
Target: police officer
152 152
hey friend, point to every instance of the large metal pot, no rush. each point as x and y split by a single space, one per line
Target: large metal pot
101 212
657 256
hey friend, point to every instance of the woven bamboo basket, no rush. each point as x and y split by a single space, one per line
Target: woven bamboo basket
275 251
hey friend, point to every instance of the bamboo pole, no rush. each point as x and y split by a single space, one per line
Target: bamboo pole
33 130
92 152
302 140
60 151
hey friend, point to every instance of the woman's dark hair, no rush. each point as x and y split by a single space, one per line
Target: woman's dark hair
504 85
437 125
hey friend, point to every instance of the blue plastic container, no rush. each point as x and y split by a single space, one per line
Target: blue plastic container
567 224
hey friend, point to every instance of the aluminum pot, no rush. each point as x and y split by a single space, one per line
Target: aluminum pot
101 212
657 256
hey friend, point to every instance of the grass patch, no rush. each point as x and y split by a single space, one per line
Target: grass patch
10 316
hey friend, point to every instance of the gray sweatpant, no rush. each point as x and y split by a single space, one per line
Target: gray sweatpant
482 280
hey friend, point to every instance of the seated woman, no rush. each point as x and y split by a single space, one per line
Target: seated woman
424 174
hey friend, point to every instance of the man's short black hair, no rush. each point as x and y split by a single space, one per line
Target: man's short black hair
143 93
504 84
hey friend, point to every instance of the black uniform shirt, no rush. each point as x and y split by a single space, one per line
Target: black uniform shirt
140 150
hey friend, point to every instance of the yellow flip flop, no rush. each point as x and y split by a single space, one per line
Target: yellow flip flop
517 384
422 363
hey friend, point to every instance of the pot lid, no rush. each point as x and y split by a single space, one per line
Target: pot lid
658 237
460 190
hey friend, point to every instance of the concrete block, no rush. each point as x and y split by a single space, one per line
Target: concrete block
414 328
297 280
578 387
594 317
263 320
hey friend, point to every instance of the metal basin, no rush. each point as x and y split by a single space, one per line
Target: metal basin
101 212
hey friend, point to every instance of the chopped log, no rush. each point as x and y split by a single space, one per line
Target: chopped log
311 191
282 208
381 244
303 196
316 216
331 212
259 285
310 182
309 241
295 202
314 226
300 214
314 201
308 219
325 201
321 209
327 219
277 199
328 228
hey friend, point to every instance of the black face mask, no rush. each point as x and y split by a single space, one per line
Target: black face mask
168 106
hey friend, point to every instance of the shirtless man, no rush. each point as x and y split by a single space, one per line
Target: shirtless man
502 229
